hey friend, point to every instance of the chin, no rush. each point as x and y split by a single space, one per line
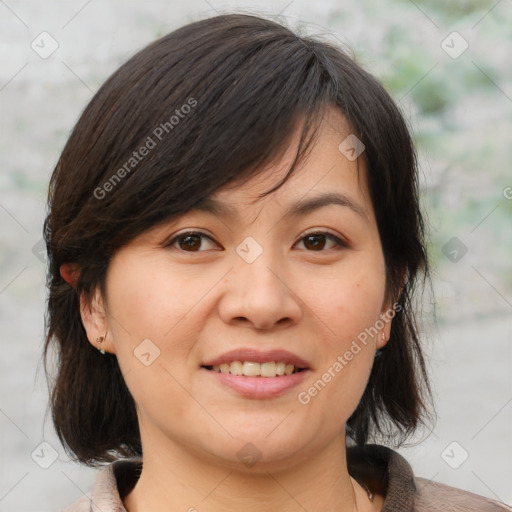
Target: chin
258 451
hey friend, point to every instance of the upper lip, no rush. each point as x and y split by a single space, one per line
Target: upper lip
258 356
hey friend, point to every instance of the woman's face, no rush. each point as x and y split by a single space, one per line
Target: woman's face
278 280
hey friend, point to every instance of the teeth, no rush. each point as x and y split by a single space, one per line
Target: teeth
236 368
288 370
268 369
252 369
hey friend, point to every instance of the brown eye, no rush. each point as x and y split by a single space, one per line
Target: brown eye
317 241
190 241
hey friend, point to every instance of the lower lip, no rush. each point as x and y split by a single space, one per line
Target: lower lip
260 387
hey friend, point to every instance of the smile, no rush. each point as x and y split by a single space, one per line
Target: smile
253 369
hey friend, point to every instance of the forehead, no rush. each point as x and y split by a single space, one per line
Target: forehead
326 176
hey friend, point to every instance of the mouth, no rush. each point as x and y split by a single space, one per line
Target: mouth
255 380
269 369
249 362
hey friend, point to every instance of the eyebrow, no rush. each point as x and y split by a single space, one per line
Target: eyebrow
300 208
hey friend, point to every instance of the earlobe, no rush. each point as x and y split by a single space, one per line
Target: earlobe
386 317
94 320
388 312
384 336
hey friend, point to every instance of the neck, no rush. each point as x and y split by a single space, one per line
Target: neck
175 478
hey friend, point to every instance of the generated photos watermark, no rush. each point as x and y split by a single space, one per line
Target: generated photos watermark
304 397
151 142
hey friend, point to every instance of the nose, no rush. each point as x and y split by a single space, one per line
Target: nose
259 295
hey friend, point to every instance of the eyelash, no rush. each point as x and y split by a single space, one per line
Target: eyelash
341 244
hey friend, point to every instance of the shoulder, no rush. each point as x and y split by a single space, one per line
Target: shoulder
82 504
433 496
386 472
111 484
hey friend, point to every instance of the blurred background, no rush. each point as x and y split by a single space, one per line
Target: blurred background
447 64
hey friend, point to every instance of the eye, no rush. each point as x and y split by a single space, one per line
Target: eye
316 241
190 241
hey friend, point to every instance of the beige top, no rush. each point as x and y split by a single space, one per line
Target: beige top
381 469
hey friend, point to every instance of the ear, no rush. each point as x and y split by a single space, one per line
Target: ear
94 319
386 316
390 308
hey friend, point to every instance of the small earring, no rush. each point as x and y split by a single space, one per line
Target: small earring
384 338
99 341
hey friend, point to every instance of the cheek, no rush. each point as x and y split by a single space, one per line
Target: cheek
148 301
347 301
148 310
348 305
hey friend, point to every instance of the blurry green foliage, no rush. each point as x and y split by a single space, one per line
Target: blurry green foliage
452 9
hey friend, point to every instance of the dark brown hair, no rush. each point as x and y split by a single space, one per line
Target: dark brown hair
213 102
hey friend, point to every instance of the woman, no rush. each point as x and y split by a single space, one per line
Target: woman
234 240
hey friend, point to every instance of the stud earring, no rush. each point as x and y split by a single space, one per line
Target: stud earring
384 338
99 341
